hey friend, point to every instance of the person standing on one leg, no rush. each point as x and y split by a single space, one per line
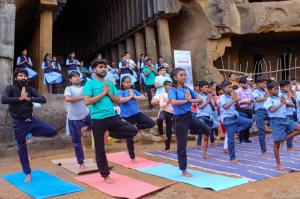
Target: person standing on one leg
131 112
282 127
182 98
165 114
205 111
260 95
20 97
78 114
244 94
231 119
100 96
286 92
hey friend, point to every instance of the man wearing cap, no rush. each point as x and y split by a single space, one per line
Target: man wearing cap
251 83
245 108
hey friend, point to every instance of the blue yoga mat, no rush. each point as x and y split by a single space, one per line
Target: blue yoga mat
251 166
43 185
199 179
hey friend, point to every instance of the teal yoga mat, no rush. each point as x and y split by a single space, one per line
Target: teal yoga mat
43 185
199 179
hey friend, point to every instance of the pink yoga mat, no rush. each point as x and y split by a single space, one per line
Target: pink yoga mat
122 158
122 186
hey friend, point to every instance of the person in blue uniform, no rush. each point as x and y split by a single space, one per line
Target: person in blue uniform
131 112
260 95
282 127
72 63
56 65
182 98
25 62
20 98
50 76
125 69
231 119
286 91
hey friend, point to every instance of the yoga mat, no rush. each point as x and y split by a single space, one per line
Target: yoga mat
122 186
123 159
71 165
43 185
251 166
199 179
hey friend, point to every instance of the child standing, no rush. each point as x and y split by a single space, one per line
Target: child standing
260 95
286 92
131 112
205 111
78 115
165 114
100 96
230 117
281 126
182 98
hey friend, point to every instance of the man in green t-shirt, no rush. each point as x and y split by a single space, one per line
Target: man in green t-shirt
150 73
100 96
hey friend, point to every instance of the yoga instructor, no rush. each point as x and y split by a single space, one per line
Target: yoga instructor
20 97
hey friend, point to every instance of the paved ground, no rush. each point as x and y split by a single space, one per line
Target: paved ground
286 186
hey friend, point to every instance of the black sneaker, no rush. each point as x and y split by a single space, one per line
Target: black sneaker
248 141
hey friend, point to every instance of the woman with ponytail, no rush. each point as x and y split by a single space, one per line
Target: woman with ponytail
182 98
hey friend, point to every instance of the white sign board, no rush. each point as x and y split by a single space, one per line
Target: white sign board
183 59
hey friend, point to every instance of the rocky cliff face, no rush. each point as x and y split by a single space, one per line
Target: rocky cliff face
242 17
7 36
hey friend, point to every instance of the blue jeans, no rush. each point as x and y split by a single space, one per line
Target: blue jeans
289 142
233 125
207 121
75 127
37 128
260 116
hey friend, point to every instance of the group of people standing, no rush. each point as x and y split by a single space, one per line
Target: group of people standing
50 66
199 110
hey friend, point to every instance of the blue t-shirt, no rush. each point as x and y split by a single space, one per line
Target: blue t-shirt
207 110
179 94
258 93
289 109
230 112
129 108
275 101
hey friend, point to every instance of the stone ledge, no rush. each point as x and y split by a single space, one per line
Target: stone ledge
7 51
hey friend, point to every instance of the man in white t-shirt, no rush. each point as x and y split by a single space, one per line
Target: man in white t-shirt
159 84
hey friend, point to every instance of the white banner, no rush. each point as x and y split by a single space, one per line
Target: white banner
183 59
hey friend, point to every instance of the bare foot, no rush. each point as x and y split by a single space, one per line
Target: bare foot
234 161
185 173
28 178
264 154
280 168
164 137
168 151
292 149
225 151
205 156
107 180
134 161
213 144
82 166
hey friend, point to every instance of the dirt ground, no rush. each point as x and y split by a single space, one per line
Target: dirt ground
286 186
